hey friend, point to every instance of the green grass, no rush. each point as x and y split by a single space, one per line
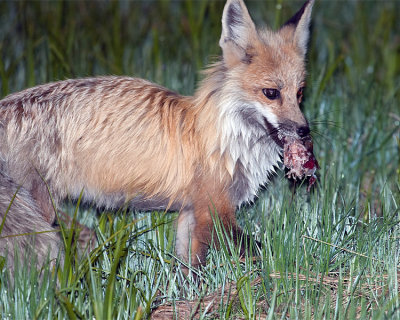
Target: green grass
331 254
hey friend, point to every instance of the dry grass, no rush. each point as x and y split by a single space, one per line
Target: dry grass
372 289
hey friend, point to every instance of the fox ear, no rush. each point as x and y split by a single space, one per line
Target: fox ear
238 32
301 23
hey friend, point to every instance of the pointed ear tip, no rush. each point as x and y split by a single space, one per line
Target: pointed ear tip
229 2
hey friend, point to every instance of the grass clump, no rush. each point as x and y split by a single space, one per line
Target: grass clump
330 254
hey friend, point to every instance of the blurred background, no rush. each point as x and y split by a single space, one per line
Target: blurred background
168 41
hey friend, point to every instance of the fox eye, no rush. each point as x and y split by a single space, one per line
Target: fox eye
300 94
271 94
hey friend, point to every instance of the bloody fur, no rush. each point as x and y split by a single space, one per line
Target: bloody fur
126 140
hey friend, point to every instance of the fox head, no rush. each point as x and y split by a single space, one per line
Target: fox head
267 68
257 88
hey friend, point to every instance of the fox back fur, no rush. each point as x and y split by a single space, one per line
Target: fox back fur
126 140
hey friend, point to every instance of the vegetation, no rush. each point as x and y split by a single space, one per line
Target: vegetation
329 254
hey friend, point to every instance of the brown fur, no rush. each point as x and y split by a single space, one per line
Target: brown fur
124 139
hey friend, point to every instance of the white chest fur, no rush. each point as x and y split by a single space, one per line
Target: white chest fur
250 151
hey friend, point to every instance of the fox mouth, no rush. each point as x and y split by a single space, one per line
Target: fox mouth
298 153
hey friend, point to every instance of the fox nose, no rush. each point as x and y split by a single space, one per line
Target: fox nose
303 131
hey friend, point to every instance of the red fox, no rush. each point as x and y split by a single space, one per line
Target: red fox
125 140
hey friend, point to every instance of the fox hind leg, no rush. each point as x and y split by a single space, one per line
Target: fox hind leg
25 229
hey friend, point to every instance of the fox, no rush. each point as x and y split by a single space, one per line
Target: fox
119 140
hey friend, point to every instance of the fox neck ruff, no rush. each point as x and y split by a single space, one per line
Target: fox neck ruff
242 137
